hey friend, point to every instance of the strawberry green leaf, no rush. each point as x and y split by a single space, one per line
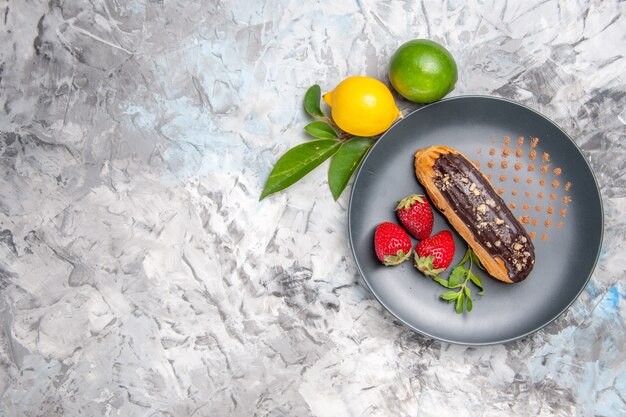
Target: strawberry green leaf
397 259
407 202
345 162
297 162
425 262
425 265
321 130
312 101
450 295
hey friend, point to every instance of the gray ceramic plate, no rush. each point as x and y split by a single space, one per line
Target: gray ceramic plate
567 216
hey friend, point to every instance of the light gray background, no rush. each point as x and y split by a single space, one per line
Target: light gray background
139 276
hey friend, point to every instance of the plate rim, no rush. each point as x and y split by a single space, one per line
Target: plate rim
495 342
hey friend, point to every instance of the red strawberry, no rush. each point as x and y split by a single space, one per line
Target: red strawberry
392 244
416 216
433 255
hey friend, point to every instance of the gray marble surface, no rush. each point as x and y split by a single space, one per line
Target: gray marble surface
140 276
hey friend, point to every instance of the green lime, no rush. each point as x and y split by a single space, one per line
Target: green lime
422 71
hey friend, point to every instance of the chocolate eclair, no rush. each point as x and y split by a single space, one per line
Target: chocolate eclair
468 200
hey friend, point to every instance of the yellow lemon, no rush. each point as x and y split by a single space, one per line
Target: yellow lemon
362 106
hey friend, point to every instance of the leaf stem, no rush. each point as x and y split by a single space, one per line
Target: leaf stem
345 136
467 255
328 120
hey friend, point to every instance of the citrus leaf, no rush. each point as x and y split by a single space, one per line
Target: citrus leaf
321 130
450 295
345 162
312 101
297 162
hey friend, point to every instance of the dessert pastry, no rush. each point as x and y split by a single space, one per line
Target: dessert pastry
470 203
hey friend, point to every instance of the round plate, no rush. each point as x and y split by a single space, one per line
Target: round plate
566 218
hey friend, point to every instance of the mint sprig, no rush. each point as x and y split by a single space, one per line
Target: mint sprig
458 281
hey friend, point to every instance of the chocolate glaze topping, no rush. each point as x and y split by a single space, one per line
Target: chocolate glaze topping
485 214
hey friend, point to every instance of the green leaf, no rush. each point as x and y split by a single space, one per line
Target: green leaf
297 162
428 261
459 303
321 130
407 202
450 295
312 101
465 258
397 259
425 265
456 276
477 281
441 281
468 296
477 261
345 162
